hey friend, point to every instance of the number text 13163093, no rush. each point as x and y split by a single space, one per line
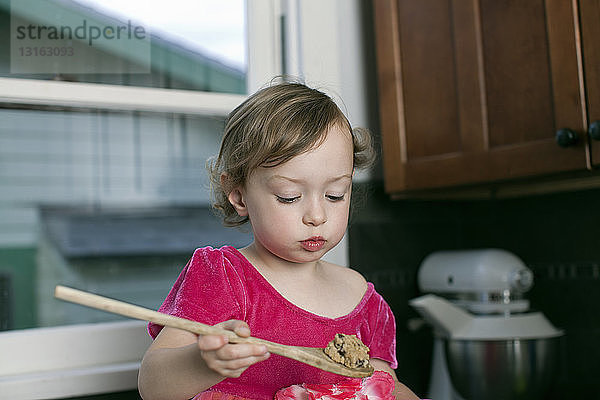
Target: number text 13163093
47 51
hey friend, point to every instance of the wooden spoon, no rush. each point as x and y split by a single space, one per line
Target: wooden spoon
314 356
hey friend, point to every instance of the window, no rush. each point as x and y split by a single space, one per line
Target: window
179 44
94 149
191 92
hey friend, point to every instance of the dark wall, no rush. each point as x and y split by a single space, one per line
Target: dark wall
556 235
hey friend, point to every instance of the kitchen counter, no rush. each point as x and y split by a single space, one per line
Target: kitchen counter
67 361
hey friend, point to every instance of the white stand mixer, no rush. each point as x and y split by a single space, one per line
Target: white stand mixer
482 316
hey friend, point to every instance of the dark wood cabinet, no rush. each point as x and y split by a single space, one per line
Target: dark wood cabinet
589 11
474 91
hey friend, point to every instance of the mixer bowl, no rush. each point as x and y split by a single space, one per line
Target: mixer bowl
512 369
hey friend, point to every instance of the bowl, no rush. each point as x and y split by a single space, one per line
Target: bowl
504 369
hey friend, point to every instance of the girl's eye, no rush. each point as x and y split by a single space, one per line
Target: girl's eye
286 200
334 197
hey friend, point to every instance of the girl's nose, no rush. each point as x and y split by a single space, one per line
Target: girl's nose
315 214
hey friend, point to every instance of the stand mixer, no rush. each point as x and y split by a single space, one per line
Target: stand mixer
488 344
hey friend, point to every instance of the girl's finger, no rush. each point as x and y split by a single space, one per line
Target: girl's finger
240 351
244 362
211 342
236 367
241 328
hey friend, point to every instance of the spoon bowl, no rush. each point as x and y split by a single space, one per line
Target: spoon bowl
314 356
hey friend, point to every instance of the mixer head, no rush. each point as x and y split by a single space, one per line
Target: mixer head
483 281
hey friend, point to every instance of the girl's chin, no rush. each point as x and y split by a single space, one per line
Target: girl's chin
300 255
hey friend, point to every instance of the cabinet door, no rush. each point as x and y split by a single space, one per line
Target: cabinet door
589 11
475 91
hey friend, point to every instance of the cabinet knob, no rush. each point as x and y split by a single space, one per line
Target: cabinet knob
594 130
566 137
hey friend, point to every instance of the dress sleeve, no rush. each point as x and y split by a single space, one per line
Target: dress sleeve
382 327
209 289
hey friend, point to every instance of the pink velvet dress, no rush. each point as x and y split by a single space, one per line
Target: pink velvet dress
221 284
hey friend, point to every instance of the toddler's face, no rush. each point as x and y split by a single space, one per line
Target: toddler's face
299 209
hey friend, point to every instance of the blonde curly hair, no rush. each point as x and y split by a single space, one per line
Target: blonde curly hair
269 128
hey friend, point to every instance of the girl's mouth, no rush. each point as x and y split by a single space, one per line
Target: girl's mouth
314 243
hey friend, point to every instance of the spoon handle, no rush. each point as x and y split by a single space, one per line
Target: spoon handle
145 314
137 312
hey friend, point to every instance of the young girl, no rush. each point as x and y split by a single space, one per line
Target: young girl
285 166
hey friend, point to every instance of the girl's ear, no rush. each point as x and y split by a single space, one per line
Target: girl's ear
236 198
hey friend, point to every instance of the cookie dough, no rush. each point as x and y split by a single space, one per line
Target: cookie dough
348 350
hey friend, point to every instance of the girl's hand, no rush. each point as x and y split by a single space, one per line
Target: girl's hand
230 359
